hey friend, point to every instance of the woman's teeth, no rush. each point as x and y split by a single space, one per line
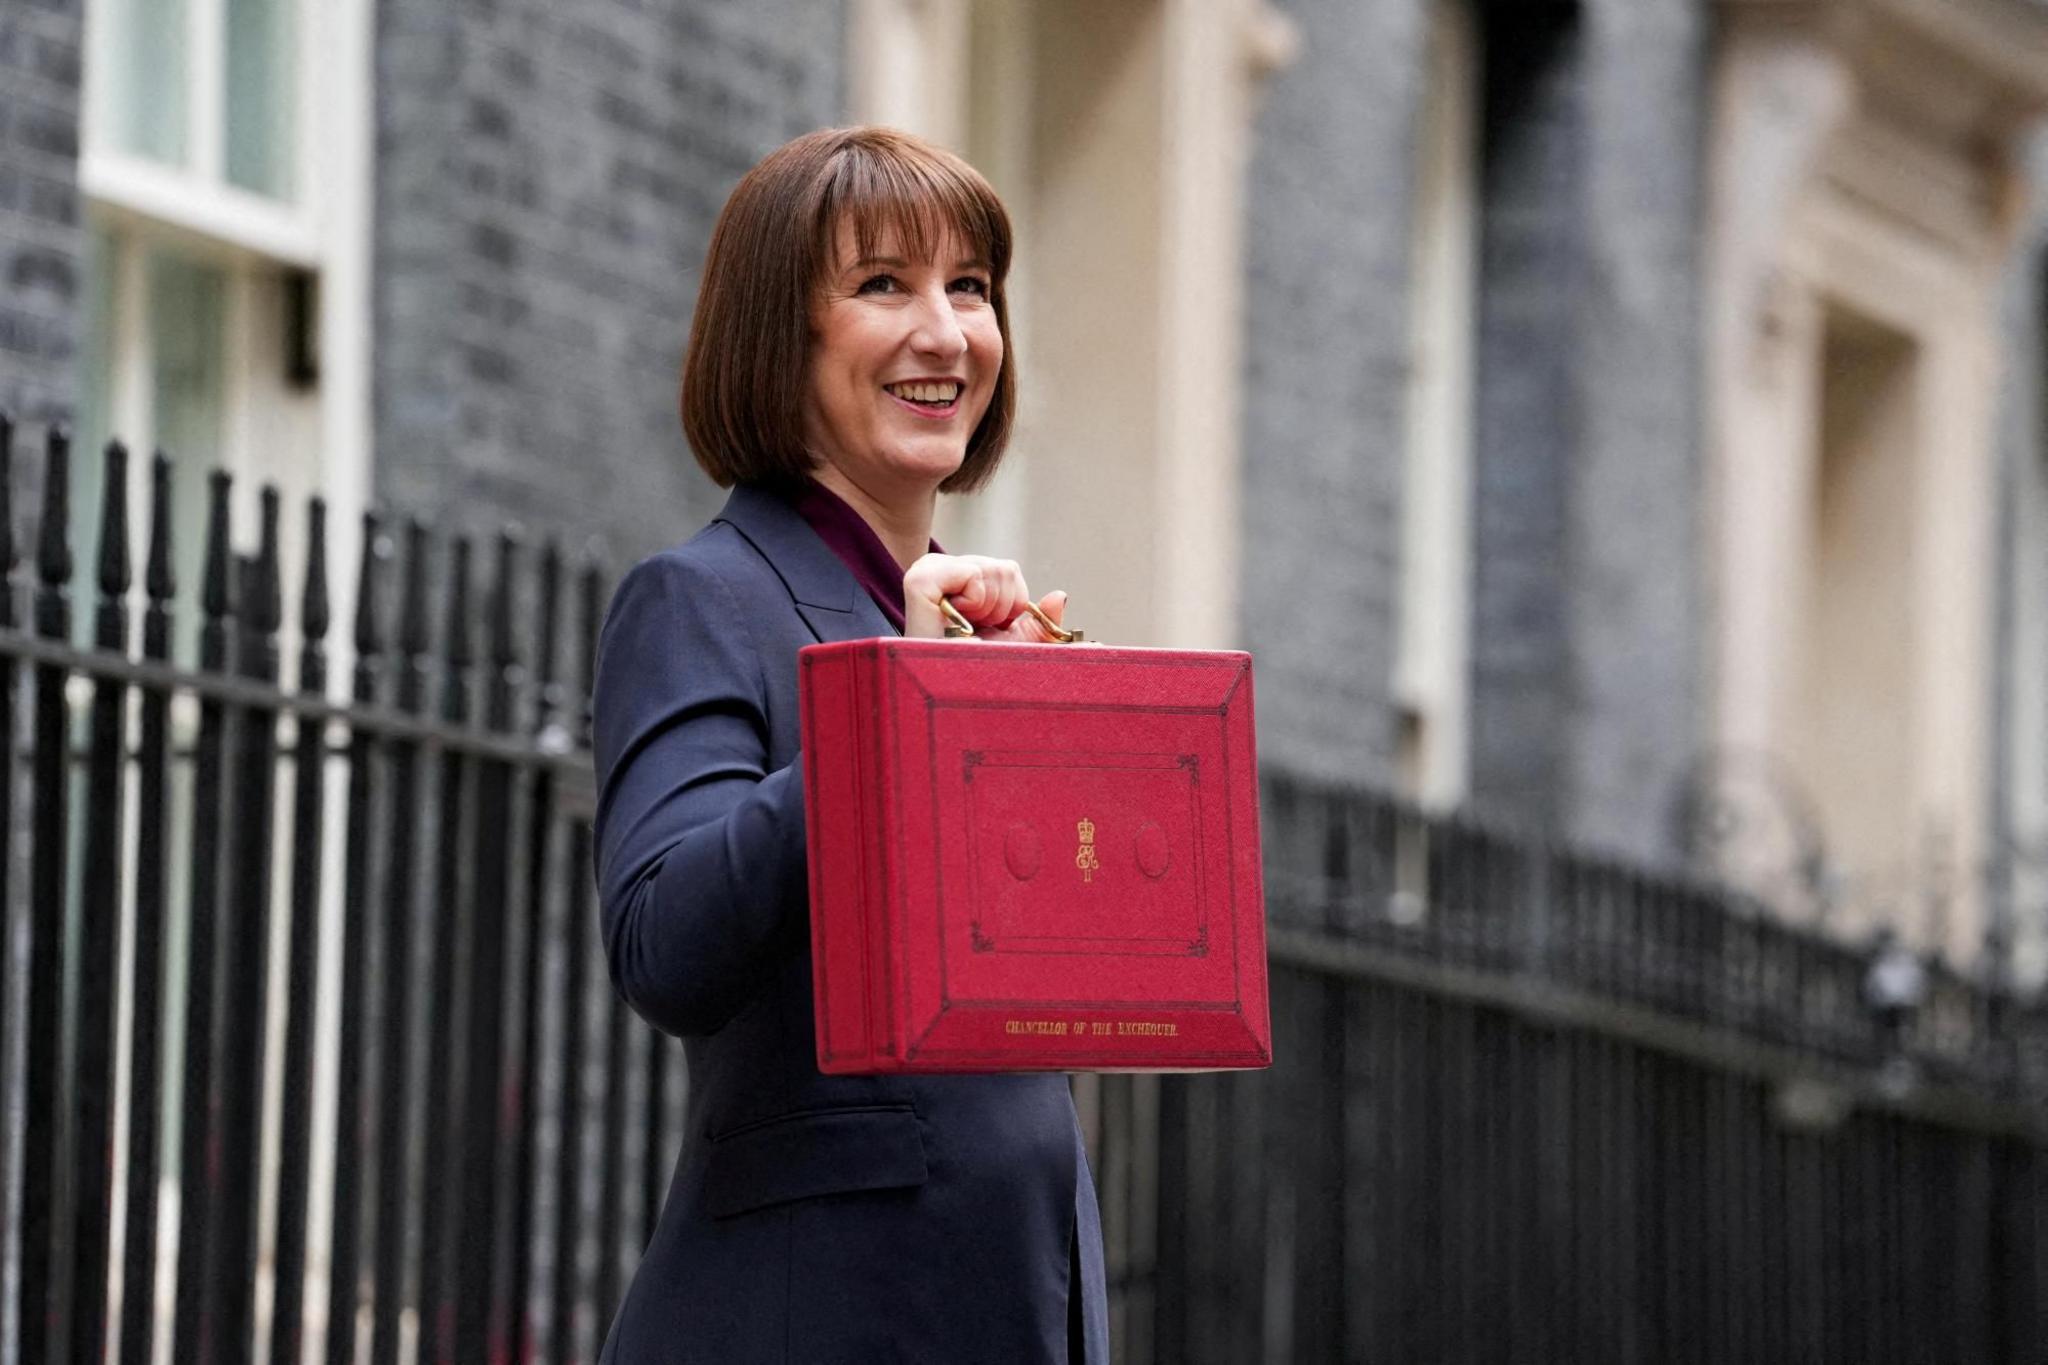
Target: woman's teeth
933 394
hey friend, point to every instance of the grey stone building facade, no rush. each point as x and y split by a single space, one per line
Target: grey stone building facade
547 178
41 243
1594 667
541 183
1584 600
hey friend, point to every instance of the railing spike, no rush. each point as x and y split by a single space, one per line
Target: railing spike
53 537
217 595
115 573
314 610
10 553
593 620
506 670
160 580
375 552
456 638
504 639
412 631
550 691
266 610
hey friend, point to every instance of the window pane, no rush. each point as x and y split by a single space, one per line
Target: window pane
186 311
260 95
143 93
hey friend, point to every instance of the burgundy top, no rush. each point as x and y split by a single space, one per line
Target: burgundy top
849 536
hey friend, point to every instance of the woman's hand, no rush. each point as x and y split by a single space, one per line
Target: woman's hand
990 593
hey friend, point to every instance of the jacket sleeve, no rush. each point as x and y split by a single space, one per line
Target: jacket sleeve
700 849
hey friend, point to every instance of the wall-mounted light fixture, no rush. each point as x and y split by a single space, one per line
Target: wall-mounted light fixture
302 329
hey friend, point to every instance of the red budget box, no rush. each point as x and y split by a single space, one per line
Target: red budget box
1033 857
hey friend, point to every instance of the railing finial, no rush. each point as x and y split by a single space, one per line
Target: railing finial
159 579
455 639
549 701
412 630
506 670
10 553
115 574
375 553
53 538
266 612
593 621
314 609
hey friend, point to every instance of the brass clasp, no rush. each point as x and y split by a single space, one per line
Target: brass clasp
959 627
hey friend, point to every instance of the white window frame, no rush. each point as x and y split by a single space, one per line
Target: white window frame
197 197
1431 683
192 210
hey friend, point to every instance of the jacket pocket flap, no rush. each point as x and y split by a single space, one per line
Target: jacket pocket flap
823 1152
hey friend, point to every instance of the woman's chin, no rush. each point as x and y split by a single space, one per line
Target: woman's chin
929 466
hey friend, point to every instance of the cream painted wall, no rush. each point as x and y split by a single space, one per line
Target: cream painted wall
1849 730
1853 378
1116 135
1093 395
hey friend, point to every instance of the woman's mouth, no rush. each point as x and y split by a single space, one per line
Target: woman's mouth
937 399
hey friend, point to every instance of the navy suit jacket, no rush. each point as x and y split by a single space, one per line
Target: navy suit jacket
811 1219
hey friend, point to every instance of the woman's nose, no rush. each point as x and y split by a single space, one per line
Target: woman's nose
938 331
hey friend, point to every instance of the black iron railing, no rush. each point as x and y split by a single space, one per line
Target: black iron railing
493 1104
1527 1105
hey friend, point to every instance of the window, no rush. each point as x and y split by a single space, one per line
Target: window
209 88
190 352
225 167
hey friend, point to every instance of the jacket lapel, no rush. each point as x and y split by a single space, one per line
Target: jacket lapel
831 603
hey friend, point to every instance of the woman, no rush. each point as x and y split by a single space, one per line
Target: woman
849 360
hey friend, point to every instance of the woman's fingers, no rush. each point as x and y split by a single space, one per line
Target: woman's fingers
1010 593
989 593
985 591
996 593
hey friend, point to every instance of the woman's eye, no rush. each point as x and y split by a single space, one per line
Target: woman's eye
973 285
879 284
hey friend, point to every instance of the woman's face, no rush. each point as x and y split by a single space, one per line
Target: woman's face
904 358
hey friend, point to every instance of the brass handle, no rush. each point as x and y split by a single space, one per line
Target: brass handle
959 627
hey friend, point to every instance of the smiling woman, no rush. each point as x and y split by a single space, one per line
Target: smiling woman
905 357
849 360
793 237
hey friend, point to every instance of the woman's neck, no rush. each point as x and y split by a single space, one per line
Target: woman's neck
905 526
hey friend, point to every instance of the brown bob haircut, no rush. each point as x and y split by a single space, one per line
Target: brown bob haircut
775 246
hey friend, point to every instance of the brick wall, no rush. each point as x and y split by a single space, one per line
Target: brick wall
1586 628
1329 194
548 172
1638 621
1527 426
1588 643
41 243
